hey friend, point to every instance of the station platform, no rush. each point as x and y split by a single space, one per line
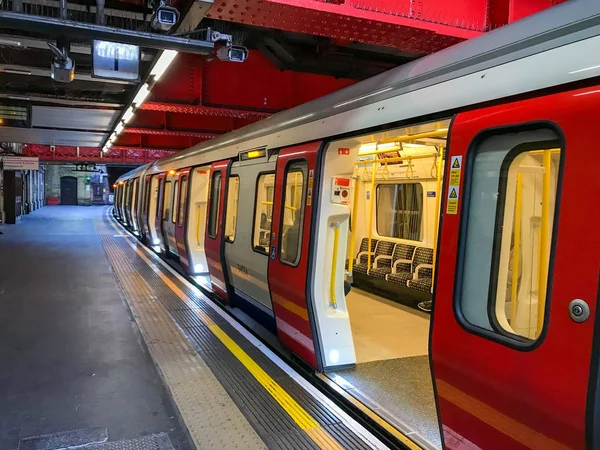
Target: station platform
101 340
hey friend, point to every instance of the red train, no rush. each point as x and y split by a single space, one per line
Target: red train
465 178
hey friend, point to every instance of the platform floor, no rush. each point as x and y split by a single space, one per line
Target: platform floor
71 356
96 331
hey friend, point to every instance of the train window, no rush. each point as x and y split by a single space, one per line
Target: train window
215 204
182 200
175 203
400 210
148 195
233 195
263 212
293 213
512 190
160 187
167 201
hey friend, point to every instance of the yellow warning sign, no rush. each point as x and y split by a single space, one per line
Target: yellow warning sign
455 177
452 205
454 185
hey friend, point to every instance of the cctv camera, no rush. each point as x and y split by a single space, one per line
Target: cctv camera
233 53
165 18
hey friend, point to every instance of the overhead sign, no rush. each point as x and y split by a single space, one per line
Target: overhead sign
21 162
115 61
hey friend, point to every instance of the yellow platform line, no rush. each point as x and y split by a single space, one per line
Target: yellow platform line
298 414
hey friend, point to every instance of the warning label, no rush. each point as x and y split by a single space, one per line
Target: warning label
454 185
452 206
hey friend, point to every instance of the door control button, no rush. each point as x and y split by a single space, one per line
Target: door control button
579 310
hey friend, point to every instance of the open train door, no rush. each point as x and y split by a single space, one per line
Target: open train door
181 219
214 240
160 240
515 340
289 250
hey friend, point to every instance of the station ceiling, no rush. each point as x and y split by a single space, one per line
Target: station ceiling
298 50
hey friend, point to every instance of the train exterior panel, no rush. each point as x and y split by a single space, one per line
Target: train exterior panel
462 178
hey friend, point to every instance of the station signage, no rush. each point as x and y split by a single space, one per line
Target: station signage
21 162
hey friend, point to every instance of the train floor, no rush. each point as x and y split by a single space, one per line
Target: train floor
392 375
103 344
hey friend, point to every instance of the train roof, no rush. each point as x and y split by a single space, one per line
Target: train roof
361 105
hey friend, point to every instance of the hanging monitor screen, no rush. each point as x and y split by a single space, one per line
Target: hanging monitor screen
116 61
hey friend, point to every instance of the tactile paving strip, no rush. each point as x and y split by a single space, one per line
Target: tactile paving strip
211 417
270 421
154 442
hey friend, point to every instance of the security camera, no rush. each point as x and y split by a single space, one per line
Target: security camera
233 53
63 67
164 18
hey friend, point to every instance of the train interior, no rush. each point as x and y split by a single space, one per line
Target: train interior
381 192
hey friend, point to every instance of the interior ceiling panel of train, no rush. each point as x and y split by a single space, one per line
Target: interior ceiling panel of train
291 54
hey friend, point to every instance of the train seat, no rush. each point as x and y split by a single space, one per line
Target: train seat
404 270
382 264
423 264
361 264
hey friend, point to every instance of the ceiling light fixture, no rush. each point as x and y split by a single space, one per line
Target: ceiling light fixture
17 71
128 115
141 95
163 63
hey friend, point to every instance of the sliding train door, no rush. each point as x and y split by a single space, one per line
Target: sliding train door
214 240
181 218
515 341
156 232
289 248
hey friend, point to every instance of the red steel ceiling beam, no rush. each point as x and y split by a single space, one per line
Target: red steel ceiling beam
204 110
122 155
172 133
420 27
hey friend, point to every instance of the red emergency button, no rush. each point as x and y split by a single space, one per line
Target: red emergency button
344 194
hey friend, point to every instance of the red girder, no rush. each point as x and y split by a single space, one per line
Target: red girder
124 155
173 133
204 110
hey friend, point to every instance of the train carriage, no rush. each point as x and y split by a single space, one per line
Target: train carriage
464 179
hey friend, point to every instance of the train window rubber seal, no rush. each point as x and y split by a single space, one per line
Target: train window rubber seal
505 338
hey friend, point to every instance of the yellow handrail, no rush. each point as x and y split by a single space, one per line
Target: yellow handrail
516 249
198 226
438 200
391 160
544 245
287 206
371 203
413 137
336 238
353 230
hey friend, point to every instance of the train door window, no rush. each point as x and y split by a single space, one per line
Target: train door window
148 194
233 195
263 212
293 213
175 202
182 200
510 204
215 204
160 187
400 210
167 201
